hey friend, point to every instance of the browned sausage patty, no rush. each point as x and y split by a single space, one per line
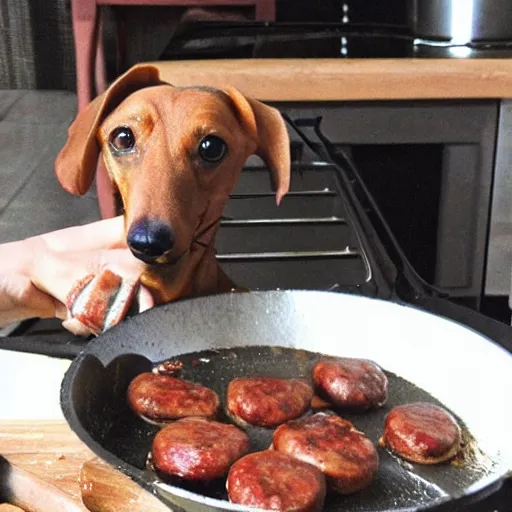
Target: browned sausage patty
352 383
422 433
267 402
198 448
276 481
162 398
346 457
317 403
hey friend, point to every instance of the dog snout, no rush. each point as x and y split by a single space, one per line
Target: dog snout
149 239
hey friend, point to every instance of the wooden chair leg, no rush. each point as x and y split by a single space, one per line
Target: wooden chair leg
265 10
90 69
84 14
104 186
105 191
101 67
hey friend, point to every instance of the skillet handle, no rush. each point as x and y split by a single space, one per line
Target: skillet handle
63 345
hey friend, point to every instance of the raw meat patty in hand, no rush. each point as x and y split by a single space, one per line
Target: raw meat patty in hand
357 384
347 457
162 398
198 449
267 402
276 481
421 432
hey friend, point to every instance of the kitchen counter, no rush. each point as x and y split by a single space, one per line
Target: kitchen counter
46 468
41 459
348 79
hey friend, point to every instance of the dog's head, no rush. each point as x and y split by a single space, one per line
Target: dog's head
174 155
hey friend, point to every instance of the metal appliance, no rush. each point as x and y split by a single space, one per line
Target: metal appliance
432 162
461 27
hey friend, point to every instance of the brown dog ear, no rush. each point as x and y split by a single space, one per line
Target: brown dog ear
268 128
76 163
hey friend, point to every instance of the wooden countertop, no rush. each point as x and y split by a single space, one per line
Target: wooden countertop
46 448
348 79
51 470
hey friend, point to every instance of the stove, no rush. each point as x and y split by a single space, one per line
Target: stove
213 40
329 233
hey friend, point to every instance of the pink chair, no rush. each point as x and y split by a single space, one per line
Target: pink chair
90 64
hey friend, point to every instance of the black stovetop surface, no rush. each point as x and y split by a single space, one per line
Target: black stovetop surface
310 40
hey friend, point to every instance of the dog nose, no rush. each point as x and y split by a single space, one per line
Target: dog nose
148 239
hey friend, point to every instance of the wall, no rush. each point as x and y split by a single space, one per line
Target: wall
36 45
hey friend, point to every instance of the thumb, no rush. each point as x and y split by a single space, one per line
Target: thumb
20 299
97 286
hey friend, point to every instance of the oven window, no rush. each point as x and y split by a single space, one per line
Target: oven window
405 181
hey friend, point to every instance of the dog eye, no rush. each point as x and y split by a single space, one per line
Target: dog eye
212 149
122 139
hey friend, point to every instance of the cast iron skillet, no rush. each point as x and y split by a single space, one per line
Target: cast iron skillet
281 334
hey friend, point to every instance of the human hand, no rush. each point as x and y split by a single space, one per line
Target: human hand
43 275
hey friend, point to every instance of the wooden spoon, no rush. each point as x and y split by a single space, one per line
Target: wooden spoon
106 490
31 493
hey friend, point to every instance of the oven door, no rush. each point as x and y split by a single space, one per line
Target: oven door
429 167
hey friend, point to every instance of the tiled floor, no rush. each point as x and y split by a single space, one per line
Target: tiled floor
33 126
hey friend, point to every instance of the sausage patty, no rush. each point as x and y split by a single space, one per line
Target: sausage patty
198 448
347 457
421 432
162 398
267 402
276 481
357 384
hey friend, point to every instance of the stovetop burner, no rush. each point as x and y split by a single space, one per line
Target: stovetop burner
228 40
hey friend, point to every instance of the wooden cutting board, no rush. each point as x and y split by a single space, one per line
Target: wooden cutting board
51 470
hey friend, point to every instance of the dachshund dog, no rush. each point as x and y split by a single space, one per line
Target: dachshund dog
174 155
